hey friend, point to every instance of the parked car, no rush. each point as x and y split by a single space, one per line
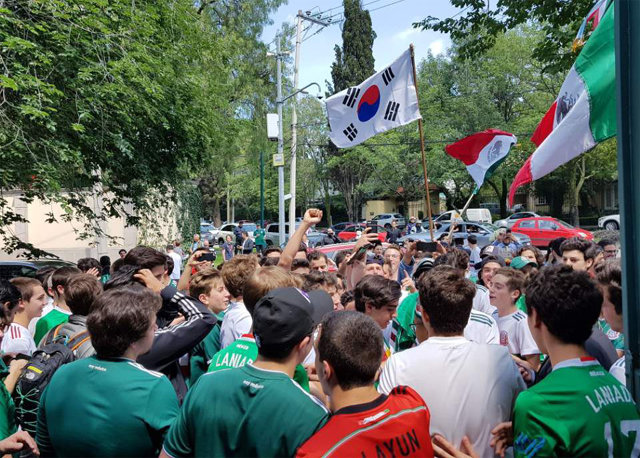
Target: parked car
342 226
448 216
25 268
484 232
385 219
478 215
609 222
543 229
510 220
272 236
219 236
350 232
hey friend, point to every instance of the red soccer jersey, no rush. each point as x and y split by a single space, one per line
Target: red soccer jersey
394 425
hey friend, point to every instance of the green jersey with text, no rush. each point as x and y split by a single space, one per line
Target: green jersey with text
203 353
244 351
246 411
579 409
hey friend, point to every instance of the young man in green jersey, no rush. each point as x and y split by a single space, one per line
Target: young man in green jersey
257 409
207 286
60 312
579 409
107 404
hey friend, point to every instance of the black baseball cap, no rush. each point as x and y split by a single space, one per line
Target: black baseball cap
287 315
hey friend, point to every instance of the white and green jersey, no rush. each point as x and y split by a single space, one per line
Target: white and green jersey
618 370
515 334
579 409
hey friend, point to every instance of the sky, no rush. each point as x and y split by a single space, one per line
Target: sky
391 22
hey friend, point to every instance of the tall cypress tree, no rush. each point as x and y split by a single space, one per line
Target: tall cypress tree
354 61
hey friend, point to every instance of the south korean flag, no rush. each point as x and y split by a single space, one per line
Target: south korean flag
384 101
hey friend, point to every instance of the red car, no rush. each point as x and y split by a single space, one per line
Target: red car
350 232
541 230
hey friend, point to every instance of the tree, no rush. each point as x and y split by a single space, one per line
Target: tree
479 26
354 63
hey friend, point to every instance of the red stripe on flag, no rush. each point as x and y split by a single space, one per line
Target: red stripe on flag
468 149
522 177
546 125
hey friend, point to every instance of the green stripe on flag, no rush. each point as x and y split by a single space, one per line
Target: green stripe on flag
493 168
596 67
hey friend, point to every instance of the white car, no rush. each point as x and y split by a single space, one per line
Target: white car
610 222
220 236
385 219
511 220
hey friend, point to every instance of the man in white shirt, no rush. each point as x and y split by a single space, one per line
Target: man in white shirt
177 263
237 319
18 339
469 387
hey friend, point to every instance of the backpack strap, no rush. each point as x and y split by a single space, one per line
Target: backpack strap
53 334
80 338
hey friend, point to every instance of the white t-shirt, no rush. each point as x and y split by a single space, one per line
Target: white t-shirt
481 301
618 371
482 328
468 387
18 339
177 263
515 334
236 322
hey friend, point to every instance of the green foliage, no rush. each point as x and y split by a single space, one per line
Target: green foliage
189 211
479 26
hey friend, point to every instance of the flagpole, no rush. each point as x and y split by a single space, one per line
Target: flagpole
464 209
424 161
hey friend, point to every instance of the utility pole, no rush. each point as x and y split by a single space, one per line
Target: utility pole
294 116
281 233
261 190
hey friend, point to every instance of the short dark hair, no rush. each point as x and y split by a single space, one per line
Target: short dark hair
121 317
472 239
25 285
84 264
340 257
121 250
122 277
584 246
455 257
609 275
567 301
81 292
376 291
145 258
555 244
8 293
319 280
315 255
447 297
352 344
270 262
347 297
605 242
272 249
61 276
170 264
515 278
536 253
298 263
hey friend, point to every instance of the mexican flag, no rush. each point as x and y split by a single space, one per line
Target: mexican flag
483 152
586 113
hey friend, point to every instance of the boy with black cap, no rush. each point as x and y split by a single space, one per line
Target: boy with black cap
265 412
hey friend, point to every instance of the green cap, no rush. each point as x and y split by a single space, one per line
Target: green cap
519 262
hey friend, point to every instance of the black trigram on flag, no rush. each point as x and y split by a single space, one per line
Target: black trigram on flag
392 111
350 98
351 132
387 76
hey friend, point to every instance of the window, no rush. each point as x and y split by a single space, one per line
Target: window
273 229
228 228
527 225
517 216
546 225
541 200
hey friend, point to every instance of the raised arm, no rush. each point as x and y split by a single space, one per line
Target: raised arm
311 216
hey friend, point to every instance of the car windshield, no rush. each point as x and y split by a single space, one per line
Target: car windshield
567 225
490 227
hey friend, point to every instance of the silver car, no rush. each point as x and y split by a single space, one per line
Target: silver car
385 219
511 220
484 232
220 236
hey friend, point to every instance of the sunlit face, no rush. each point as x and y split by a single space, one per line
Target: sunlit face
382 315
218 298
575 259
488 271
499 293
158 272
34 306
373 269
319 264
335 297
378 250
530 255
392 257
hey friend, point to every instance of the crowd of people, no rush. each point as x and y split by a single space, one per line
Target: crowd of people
458 351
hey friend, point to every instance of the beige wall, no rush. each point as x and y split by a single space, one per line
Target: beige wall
61 238
375 207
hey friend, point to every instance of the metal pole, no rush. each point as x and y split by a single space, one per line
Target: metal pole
294 131
627 37
281 233
261 190
424 161
464 209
